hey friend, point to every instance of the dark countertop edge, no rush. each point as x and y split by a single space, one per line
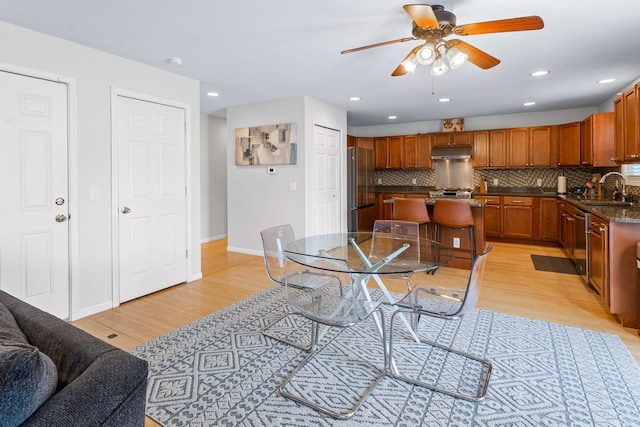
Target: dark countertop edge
413 189
610 213
475 203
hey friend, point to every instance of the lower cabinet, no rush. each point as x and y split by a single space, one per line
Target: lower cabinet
599 256
492 215
548 219
567 228
517 217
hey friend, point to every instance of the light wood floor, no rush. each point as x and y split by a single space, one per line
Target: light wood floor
511 285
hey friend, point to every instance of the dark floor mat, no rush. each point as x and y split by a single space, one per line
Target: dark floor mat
553 264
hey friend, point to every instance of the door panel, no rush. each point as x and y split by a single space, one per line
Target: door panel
325 216
34 245
151 196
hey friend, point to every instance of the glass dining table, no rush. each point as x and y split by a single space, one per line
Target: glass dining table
353 249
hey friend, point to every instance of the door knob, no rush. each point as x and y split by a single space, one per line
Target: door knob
125 210
59 201
61 218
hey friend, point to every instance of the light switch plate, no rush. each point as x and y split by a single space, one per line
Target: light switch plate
293 186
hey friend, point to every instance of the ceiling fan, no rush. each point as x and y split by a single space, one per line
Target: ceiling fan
432 24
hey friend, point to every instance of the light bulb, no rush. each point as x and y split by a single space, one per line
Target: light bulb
456 58
439 67
410 64
426 54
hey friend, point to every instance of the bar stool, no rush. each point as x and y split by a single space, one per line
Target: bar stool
414 210
453 213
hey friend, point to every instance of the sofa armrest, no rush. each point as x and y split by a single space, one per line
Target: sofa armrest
110 392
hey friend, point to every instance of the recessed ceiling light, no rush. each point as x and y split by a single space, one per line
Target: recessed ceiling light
528 104
606 81
444 99
539 73
354 98
177 62
393 117
213 94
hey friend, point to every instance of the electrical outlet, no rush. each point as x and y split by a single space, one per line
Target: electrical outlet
539 182
495 182
456 242
379 181
414 181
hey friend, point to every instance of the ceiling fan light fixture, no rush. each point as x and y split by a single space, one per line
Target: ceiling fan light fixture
410 64
439 67
456 58
426 55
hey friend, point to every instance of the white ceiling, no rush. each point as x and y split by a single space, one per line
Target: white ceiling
258 50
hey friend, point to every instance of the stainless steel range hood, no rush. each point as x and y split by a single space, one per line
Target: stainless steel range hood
456 152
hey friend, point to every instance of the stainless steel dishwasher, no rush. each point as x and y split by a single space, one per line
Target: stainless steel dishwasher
581 251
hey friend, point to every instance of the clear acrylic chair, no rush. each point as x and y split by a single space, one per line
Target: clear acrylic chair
282 271
343 308
444 303
390 235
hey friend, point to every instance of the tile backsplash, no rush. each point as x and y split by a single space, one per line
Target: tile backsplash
576 177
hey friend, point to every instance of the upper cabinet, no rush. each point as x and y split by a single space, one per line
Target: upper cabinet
630 100
618 129
389 152
444 139
530 147
417 151
490 148
569 144
597 140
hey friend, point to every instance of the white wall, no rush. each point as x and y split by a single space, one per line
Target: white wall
478 123
95 74
257 200
213 173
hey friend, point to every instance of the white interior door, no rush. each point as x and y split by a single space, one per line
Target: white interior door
34 232
325 216
151 196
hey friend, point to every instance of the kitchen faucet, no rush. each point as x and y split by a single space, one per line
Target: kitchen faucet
624 188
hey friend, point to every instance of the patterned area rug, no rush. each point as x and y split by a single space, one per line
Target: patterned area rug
221 371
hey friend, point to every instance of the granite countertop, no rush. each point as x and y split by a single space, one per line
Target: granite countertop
618 212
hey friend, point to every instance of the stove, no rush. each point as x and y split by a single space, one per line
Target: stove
451 194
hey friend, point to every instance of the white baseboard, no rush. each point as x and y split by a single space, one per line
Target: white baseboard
213 238
244 251
94 309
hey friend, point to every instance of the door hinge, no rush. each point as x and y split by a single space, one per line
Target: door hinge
186 253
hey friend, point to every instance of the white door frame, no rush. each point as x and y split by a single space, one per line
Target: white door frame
72 174
115 235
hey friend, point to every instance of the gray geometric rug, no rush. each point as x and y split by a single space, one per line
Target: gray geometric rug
221 371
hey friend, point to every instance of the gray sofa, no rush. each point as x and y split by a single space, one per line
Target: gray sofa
97 383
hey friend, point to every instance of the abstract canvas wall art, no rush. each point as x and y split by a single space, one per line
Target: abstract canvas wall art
266 145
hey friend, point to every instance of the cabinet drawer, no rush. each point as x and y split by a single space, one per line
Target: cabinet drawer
489 200
517 201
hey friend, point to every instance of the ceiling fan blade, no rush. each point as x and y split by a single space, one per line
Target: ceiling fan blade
500 26
476 56
422 15
400 70
357 49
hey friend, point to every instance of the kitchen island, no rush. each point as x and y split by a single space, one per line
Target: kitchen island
462 257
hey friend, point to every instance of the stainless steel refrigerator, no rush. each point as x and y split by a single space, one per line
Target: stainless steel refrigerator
361 195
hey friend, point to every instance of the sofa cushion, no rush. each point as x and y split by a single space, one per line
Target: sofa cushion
28 377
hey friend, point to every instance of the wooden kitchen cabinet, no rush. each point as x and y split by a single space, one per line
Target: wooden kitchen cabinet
492 215
417 151
548 219
444 139
529 147
567 228
597 140
517 217
630 100
569 144
618 130
389 152
599 256
490 148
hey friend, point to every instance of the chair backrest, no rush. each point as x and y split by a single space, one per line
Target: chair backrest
475 282
414 210
452 213
447 302
274 240
389 235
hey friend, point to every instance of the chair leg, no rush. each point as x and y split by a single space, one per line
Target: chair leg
483 382
472 243
266 332
361 398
